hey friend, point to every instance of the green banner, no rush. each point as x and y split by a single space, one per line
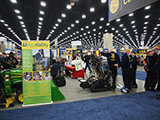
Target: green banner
36 92
36 72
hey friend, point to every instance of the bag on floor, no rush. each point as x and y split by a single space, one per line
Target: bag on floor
60 81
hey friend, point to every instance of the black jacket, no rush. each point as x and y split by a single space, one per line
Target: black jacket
9 60
113 58
125 61
55 68
134 61
86 58
151 61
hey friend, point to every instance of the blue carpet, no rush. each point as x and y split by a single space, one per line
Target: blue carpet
139 74
136 106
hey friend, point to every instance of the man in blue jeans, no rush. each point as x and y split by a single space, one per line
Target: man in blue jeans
86 60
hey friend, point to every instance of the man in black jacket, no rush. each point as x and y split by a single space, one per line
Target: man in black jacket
86 60
133 65
55 67
124 64
12 60
113 61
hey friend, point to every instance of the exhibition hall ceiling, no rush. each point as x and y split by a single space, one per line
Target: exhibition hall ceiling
86 20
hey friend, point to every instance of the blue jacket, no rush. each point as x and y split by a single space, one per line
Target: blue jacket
113 58
55 68
125 61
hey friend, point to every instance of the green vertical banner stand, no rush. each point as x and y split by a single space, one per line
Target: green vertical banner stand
36 73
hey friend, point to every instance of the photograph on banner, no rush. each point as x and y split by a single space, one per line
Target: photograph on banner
37 75
41 59
76 52
27 76
69 52
47 76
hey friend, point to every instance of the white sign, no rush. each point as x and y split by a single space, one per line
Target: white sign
78 65
76 43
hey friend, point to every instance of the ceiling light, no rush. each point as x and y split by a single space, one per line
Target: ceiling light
108 24
77 32
121 25
23 25
83 16
72 25
155 28
93 23
135 30
17 11
2 21
56 25
147 7
43 4
112 28
146 23
124 29
92 9
82 29
19 17
133 26
94 29
101 19
131 14
89 32
59 20
100 27
39 26
144 27
132 22
118 19
40 23
103 1
147 16
68 6
68 28
116 31
41 12
87 27
5 24
41 19
77 21
14 1
158 24
63 15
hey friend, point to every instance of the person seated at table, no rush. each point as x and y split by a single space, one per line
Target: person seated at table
55 68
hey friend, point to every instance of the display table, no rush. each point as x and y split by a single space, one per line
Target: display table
75 74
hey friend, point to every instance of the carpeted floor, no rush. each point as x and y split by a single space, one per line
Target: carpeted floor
139 74
136 106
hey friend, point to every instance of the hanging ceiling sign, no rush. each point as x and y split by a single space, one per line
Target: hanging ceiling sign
118 8
76 43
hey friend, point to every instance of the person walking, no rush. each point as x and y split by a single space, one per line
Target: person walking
86 60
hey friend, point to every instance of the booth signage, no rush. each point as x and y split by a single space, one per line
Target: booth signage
76 43
36 72
118 8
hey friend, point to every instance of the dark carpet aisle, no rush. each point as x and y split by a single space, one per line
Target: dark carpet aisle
136 106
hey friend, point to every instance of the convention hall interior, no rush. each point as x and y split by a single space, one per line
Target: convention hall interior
80 59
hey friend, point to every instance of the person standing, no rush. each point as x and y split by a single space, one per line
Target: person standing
124 64
86 60
12 60
4 62
133 65
151 76
113 61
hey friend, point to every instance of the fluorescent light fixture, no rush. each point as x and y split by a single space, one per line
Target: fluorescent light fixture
41 19
101 19
40 23
68 6
112 28
144 27
5 24
83 16
2 21
121 25
93 23
118 19
14 1
17 11
56 25
39 27
23 25
19 17
94 29
82 29
77 21
77 32
131 14
155 28
72 25
63 15
92 9
147 7
132 22
158 25
43 3
133 26
146 23
103 1
68 28
116 31
41 12
89 32
147 16
100 27
108 24
87 27
59 20
124 29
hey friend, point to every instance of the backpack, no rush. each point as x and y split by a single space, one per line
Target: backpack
59 79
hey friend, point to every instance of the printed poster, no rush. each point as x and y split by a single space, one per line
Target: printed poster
36 72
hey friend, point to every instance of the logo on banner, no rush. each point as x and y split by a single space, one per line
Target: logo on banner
24 44
114 6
